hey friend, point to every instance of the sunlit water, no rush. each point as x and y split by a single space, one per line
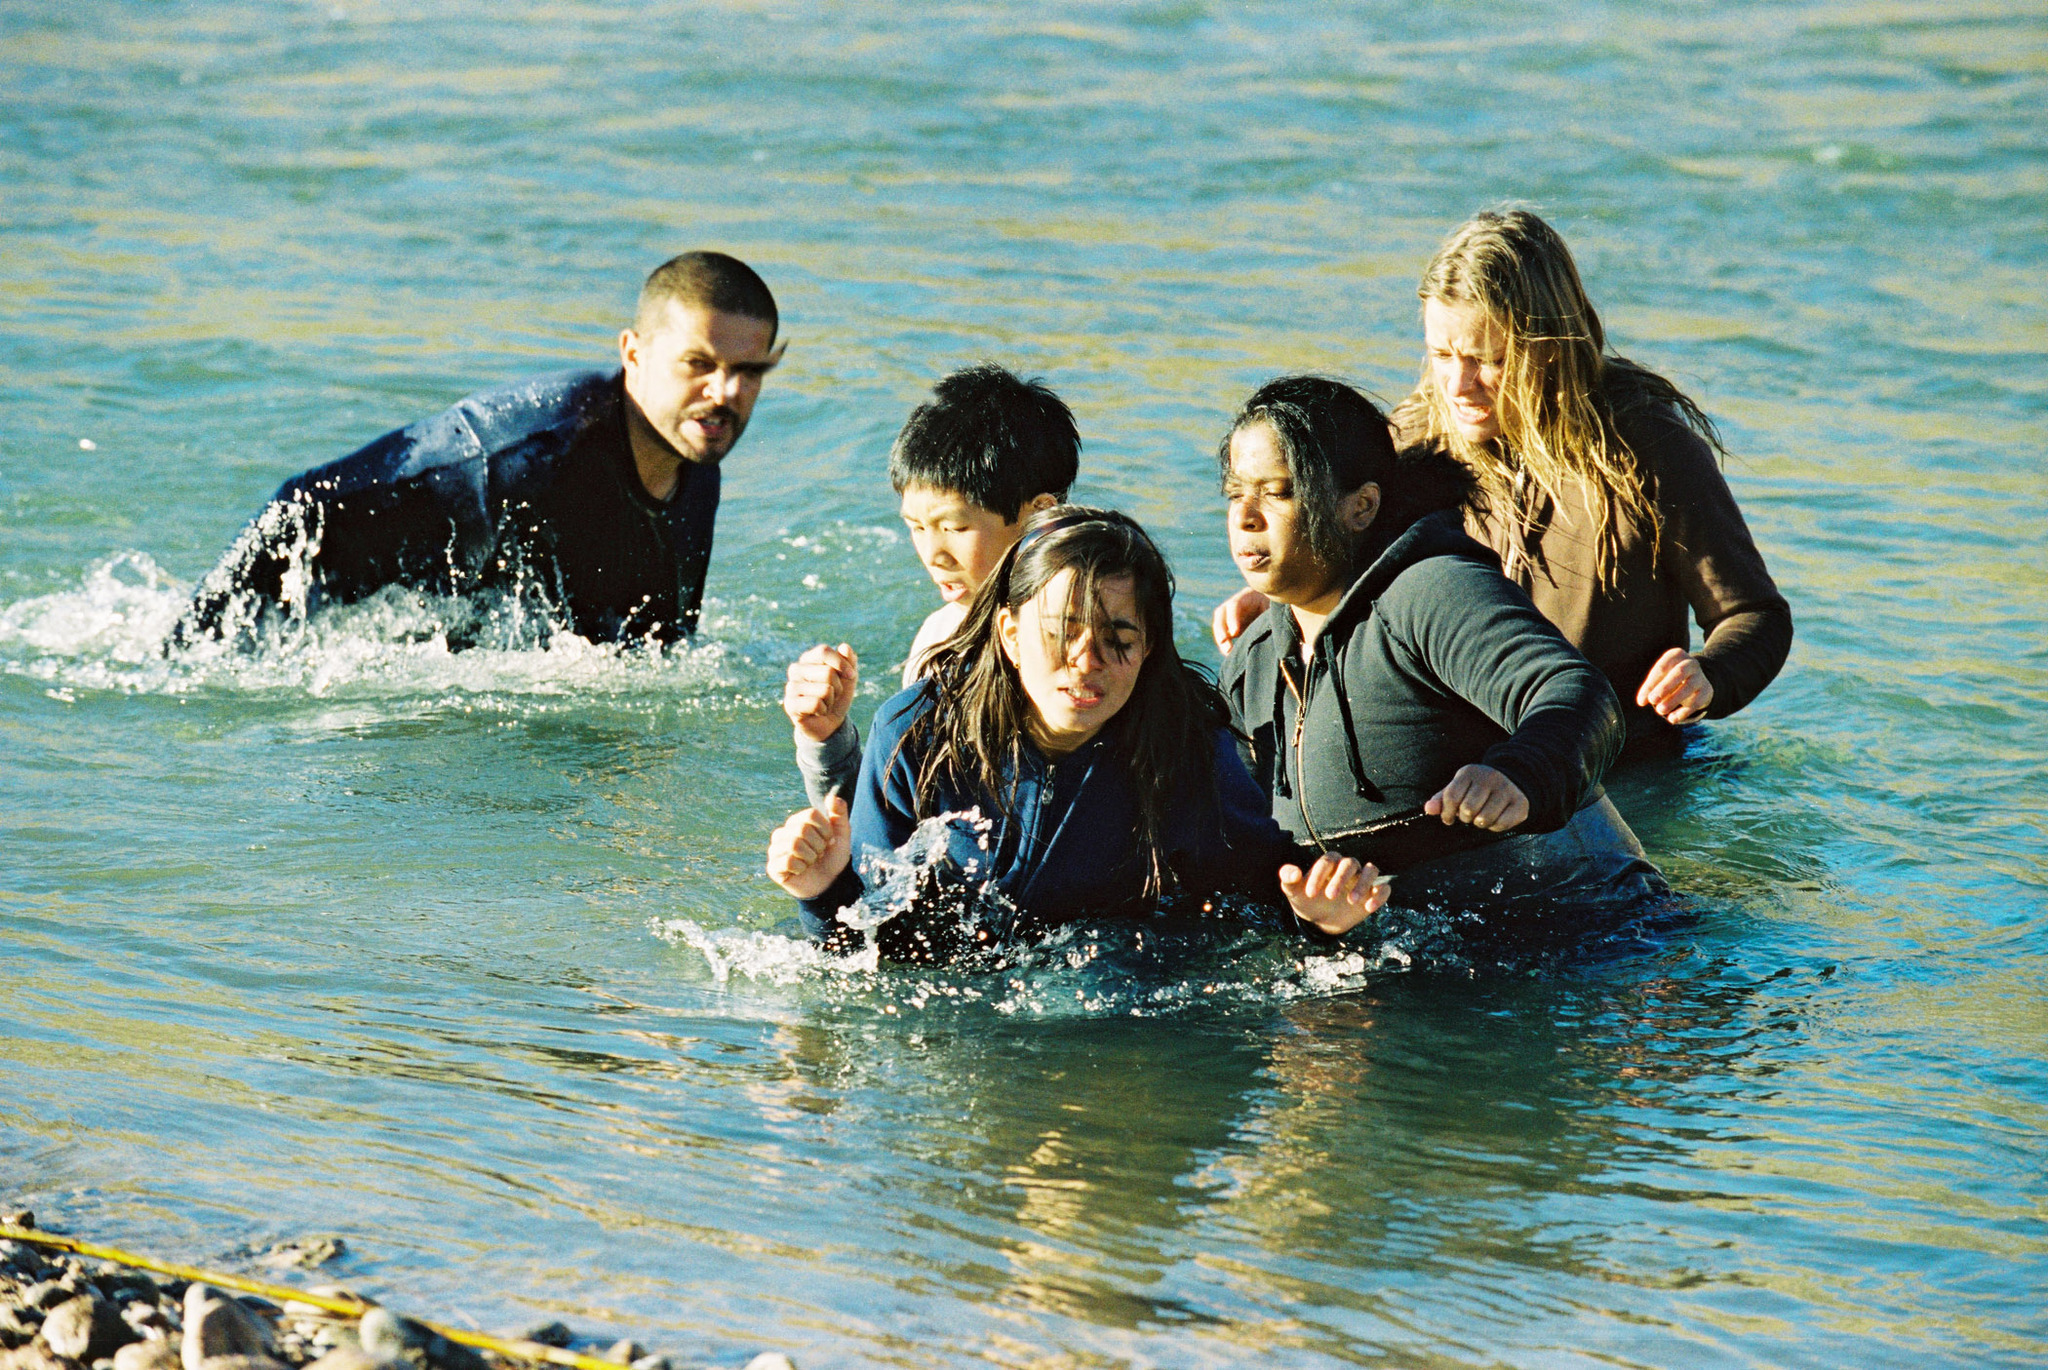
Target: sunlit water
466 957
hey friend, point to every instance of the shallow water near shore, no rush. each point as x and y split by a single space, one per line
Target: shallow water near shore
465 956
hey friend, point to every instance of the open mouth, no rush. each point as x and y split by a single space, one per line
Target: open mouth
952 591
1082 696
712 425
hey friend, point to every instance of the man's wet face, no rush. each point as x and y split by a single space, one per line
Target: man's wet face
696 376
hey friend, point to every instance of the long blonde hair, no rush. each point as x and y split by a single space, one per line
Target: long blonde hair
1559 388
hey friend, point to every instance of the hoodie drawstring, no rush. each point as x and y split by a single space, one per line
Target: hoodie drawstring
1366 789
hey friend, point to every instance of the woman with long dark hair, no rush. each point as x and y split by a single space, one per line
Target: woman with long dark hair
1405 704
1080 767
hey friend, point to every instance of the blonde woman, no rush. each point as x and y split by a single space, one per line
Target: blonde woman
1598 481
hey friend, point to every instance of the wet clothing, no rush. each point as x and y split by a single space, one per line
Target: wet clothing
1702 560
1593 863
829 767
529 490
1430 662
1061 846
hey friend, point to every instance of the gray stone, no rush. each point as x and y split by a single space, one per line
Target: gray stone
67 1331
549 1334
146 1318
625 1352
217 1326
389 1337
34 1356
306 1253
350 1356
158 1353
50 1293
20 1217
771 1360
85 1328
239 1362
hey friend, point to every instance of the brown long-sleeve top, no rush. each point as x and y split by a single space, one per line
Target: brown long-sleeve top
1702 559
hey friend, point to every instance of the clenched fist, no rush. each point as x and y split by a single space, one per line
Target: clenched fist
820 690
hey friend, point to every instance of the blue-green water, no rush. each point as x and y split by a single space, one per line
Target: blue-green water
467 959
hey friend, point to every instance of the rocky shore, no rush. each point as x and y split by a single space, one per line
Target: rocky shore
64 1312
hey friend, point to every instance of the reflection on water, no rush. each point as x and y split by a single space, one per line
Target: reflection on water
457 944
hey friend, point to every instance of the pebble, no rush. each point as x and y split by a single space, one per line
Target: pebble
307 1253
58 1312
218 1326
389 1337
241 1362
158 1354
33 1356
68 1330
349 1356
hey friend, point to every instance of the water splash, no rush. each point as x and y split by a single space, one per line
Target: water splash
110 633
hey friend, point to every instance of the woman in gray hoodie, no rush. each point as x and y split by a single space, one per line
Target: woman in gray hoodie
1404 703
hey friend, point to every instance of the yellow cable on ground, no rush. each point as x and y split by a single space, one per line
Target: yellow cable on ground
354 1308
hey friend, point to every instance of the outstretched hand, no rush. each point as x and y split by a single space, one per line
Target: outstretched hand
1234 615
820 690
1481 796
1677 687
1336 895
810 849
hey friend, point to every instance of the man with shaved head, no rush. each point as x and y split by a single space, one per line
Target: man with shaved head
588 496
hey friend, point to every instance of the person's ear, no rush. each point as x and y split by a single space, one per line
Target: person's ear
629 349
1038 504
1006 634
1361 507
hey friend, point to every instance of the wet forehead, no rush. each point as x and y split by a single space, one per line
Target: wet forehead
696 330
1116 601
1461 328
1255 456
931 504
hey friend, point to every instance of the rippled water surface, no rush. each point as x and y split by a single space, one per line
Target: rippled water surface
466 958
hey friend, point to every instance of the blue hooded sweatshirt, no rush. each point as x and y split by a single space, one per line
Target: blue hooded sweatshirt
1061 845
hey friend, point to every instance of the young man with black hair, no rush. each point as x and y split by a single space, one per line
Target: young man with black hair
977 459
593 491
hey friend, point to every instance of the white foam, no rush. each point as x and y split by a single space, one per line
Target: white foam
109 634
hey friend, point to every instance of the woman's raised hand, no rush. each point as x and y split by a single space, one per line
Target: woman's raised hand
1336 895
1676 687
819 690
1234 615
1481 796
807 853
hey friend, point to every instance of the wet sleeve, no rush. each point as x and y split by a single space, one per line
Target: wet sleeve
1250 847
829 767
1746 623
407 508
1480 637
883 814
1230 681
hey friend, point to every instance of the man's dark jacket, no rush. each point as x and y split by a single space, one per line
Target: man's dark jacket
529 491
1432 660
